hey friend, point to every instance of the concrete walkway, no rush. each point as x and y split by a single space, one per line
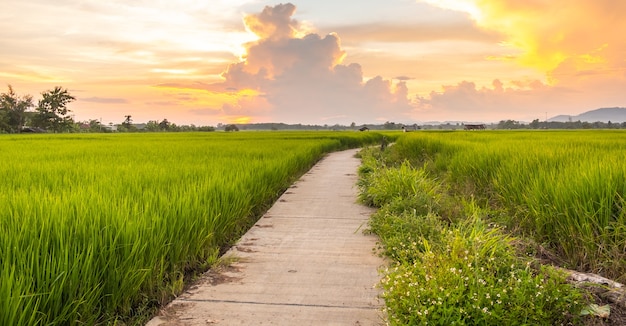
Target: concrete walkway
305 262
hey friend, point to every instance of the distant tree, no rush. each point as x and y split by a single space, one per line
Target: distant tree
390 125
174 127
127 125
52 112
535 124
13 109
231 127
164 125
152 125
508 124
206 128
190 127
95 125
128 121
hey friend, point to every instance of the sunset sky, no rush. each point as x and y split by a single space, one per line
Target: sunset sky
318 61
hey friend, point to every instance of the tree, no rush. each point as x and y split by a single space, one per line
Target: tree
164 125
127 125
231 127
52 112
95 125
535 124
128 121
390 125
206 128
13 110
152 125
508 124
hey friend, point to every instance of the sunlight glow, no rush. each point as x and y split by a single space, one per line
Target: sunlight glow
242 120
173 71
468 6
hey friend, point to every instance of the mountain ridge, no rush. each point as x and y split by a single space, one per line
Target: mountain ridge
615 115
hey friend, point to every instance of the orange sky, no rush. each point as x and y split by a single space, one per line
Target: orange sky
318 62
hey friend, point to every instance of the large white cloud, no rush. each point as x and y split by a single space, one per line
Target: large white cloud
301 78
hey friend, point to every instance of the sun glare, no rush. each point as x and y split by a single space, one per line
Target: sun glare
242 120
468 6
173 71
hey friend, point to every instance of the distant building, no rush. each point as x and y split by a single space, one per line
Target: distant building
37 130
110 127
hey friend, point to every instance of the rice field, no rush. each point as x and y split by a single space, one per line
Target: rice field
94 229
566 189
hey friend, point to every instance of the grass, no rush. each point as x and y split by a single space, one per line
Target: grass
101 229
565 189
452 264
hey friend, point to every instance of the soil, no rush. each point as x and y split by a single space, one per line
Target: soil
617 314
219 275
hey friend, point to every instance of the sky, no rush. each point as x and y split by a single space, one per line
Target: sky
317 61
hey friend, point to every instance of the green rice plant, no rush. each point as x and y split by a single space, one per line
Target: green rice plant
461 272
565 188
388 186
100 229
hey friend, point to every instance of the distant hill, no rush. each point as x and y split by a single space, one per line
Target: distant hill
615 115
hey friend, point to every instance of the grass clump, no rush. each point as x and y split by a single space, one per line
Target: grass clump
470 276
454 270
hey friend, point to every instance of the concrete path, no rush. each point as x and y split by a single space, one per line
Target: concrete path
305 262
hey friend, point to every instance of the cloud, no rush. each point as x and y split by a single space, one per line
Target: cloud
466 102
523 100
161 103
291 77
425 31
101 39
273 23
109 100
577 47
557 36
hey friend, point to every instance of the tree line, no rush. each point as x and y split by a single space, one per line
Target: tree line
18 113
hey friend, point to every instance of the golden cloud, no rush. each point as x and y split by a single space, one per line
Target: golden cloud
559 37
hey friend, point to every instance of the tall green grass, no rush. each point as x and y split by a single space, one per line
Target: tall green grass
453 266
565 188
95 229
